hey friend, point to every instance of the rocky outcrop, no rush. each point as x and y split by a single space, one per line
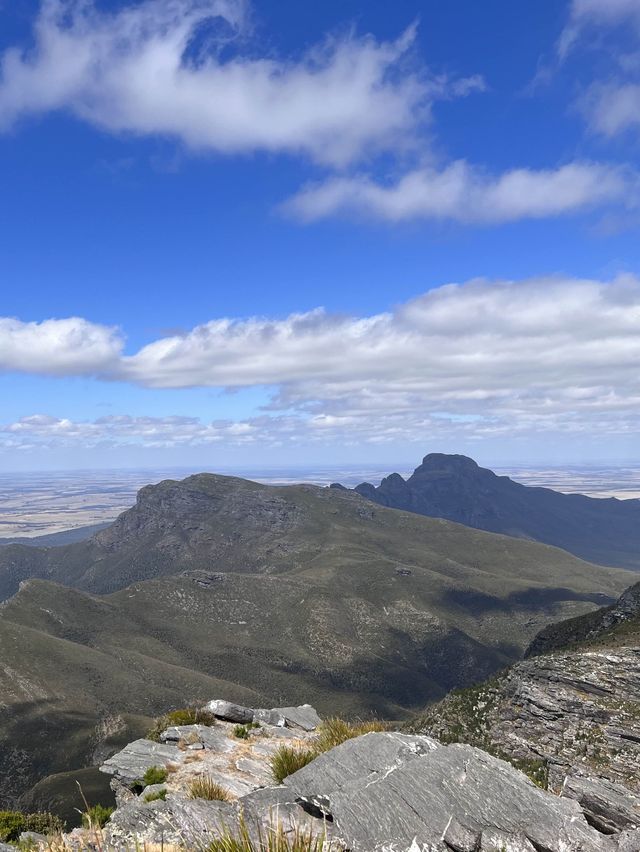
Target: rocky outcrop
570 713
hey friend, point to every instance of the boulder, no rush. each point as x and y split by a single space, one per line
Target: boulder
386 791
607 806
359 759
130 764
230 712
304 717
629 841
184 822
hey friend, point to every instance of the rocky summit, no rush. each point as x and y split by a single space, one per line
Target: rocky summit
605 531
376 792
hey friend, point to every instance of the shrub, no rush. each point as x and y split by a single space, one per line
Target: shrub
241 731
207 788
96 816
185 716
156 795
13 823
287 760
154 775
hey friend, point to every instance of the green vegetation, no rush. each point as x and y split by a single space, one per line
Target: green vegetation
13 823
156 795
242 731
97 816
177 718
206 788
155 775
287 759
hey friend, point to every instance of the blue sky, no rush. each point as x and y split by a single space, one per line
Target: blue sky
186 183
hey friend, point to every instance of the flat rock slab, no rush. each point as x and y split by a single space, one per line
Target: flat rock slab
209 737
356 760
416 801
189 822
132 762
230 712
303 717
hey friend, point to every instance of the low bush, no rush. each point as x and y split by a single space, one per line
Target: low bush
13 823
96 816
154 775
207 788
185 716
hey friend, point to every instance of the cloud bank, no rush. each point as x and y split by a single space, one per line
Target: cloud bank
481 358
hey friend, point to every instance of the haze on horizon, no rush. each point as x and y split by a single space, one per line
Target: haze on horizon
242 235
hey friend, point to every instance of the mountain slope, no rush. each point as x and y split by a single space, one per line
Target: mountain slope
604 531
570 715
267 596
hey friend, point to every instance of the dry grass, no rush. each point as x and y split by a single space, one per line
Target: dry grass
206 788
274 839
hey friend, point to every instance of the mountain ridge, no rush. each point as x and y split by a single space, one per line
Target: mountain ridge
605 531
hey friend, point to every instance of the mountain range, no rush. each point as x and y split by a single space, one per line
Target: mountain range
269 596
454 487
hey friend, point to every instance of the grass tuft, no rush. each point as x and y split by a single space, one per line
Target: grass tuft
333 732
287 760
177 718
96 816
206 788
274 839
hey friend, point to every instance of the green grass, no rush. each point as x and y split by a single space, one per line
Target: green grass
178 718
287 760
97 816
157 795
206 788
13 823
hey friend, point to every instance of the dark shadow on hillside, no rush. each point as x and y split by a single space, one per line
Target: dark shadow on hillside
532 599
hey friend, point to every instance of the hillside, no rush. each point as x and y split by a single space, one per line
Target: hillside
267 595
604 531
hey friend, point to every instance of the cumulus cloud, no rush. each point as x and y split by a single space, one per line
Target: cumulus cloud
462 193
155 68
473 360
66 347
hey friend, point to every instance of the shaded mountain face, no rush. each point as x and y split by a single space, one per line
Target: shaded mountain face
268 596
604 531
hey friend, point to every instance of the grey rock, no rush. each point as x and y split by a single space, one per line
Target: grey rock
185 822
460 838
416 799
263 809
230 712
497 841
304 717
211 738
608 807
130 764
150 790
4 847
355 760
31 838
629 841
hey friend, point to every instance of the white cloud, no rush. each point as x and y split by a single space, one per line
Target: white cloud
58 347
462 193
133 71
586 14
474 360
612 108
